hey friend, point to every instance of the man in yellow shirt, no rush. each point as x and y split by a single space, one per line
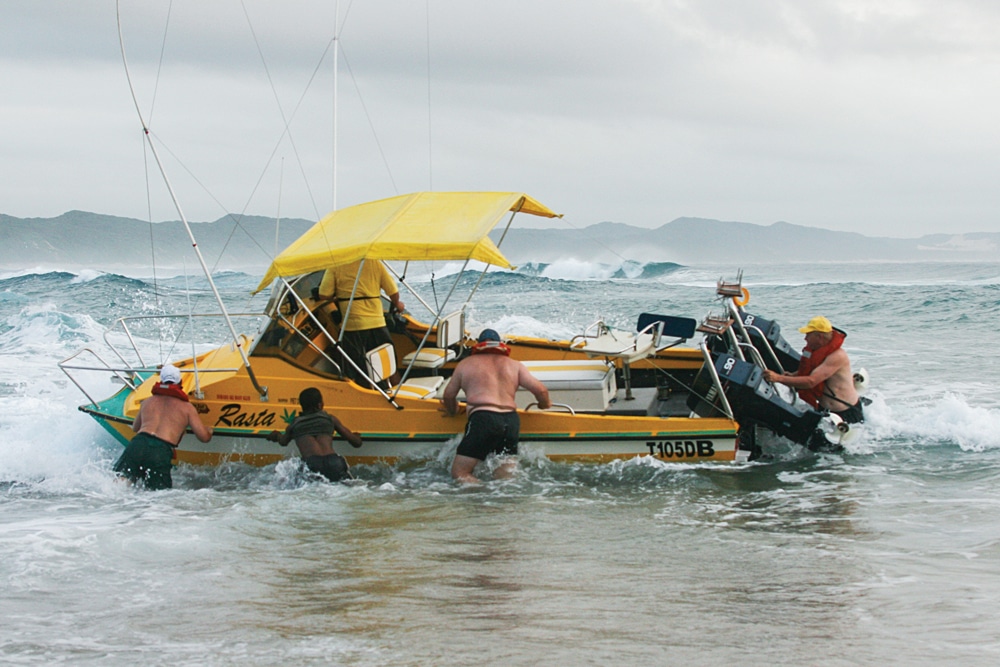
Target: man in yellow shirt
363 326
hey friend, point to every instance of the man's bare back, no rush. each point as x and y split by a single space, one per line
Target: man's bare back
490 382
167 418
315 445
490 379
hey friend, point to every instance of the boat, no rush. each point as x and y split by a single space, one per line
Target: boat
649 392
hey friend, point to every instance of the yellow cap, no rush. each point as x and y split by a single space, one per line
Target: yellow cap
818 323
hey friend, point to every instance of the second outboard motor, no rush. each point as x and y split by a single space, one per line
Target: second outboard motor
753 400
787 355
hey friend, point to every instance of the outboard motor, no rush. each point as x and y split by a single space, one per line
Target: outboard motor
753 400
787 355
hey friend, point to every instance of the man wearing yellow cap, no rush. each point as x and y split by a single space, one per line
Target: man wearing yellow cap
824 378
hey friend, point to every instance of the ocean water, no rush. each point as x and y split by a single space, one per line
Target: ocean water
888 553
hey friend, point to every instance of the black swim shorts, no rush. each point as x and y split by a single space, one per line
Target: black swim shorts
146 461
490 433
853 415
332 466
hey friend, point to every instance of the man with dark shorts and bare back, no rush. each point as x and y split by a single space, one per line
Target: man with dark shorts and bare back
824 378
313 432
490 379
162 420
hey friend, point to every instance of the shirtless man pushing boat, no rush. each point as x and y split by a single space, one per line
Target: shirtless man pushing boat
313 432
159 427
490 379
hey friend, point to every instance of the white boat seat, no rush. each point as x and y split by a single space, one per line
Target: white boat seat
382 365
450 333
616 344
585 384
422 388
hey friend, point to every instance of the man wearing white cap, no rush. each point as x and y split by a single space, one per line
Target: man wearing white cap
159 427
824 378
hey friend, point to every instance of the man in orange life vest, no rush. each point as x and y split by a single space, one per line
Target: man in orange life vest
159 427
490 379
824 378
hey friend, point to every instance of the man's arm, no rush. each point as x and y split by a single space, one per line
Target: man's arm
327 285
821 373
282 438
388 286
137 424
202 432
534 385
346 433
397 304
450 398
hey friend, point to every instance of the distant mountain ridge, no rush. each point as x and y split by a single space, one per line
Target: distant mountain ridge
699 240
78 239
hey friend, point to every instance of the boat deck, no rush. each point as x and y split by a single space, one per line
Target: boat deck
646 402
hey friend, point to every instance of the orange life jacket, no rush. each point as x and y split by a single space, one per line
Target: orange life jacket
170 389
811 359
491 347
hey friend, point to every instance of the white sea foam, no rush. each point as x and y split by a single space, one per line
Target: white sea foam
951 419
86 275
575 269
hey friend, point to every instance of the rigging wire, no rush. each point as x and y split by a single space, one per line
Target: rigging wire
281 111
177 205
371 124
159 65
145 161
152 244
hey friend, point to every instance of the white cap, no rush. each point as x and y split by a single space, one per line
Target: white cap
169 373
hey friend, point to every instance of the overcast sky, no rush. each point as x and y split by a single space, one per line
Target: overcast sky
873 116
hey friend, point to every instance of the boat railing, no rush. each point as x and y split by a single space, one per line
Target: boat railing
755 353
129 371
123 323
716 381
565 406
744 330
125 375
767 346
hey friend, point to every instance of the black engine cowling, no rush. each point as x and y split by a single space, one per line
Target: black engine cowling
752 399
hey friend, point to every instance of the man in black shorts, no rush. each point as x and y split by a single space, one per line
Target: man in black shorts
163 419
490 379
313 431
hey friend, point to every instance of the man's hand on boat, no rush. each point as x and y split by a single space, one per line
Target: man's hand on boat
772 377
443 408
275 436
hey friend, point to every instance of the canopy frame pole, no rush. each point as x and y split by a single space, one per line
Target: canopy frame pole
506 228
409 287
336 344
262 391
435 322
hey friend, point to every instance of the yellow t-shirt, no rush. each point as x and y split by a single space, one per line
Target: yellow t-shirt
366 311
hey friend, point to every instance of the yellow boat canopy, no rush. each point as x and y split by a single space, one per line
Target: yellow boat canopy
414 227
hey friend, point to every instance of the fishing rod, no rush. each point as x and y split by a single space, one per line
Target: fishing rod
177 205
